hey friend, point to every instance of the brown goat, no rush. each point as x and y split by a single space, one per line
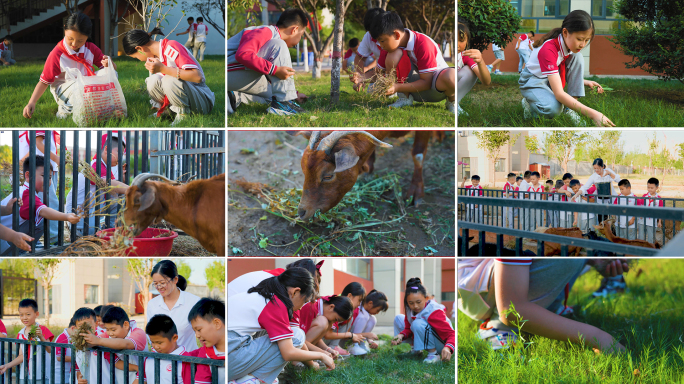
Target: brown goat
551 249
606 227
332 167
197 208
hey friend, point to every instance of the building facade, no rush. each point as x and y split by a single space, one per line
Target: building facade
512 158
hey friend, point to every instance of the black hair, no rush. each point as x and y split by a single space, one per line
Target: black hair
518 178
653 180
200 19
291 17
168 269
356 289
549 182
463 32
378 299
475 177
79 22
535 173
29 303
575 21
510 175
599 161
527 174
532 32
161 325
190 18
115 315
574 182
72 323
209 309
310 266
97 309
567 176
84 313
134 38
40 163
559 183
624 183
385 24
413 285
353 43
104 310
370 15
343 306
276 286
8 37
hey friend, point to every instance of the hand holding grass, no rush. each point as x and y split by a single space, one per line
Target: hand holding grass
283 73
90 338
474 54
397 339
593 84
601 120
446 354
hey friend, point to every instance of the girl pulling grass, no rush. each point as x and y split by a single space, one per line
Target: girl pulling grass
557 61
361 324
176 79
426 322
342 330
318 317
470 67
71 52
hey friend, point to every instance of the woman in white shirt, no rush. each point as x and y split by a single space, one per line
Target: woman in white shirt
601 174
173 301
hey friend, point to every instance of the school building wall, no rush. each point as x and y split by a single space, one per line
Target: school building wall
516 157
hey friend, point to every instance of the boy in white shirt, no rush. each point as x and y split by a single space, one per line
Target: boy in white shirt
524 186
496 64
535 188
200 34
474 212
652 186
585 220
508 193
625 226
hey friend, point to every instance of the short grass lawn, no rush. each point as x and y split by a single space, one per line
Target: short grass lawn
386 365
632 103
356 109
647 320
18 81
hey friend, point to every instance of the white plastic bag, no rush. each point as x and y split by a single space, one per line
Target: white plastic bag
97 98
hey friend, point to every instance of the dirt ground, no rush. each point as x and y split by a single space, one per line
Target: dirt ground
273 158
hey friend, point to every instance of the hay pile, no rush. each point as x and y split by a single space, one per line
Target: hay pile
77 340
383 82
188 246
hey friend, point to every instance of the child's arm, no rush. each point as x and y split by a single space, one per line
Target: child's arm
52 214
66 359
557 87
30 108
131 367
40 144
7 209
517 44
481 70
290 353
574 223
17 360
512 285
355 337
17 238
112 343
463 182
192 75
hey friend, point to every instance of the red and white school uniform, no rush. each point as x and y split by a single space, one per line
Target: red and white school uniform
430 328
35 352
244 47
369 47
475 214
166 370
24 212
92 364
652 202
549 59
628 200
191 36
203 374
139 339
24 146
6 53
63 338
3 330
201 31
310 311
508 193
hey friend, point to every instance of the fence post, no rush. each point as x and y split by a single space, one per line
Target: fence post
62 185
15 185
32 190
155 138
74 184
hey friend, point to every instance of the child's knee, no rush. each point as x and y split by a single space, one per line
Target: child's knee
418 325
153 82
392 59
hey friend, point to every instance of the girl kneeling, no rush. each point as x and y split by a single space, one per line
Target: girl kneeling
317 318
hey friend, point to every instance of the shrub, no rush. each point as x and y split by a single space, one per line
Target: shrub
489 21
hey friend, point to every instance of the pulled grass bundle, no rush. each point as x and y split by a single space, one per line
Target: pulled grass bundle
86 170
117 245
77 340
383 82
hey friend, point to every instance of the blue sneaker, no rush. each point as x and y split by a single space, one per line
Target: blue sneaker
232 102
489 67
610 286
285 108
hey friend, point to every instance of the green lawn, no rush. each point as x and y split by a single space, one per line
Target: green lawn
386 365
647 320
633 103
356 109
18 81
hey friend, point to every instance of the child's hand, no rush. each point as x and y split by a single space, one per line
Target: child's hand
302 98
154 65
660 223
105 61
357 337
574 223
20 240
90 338
82 381
391 90
593 85
354 78
474 54
631 221
328 361
39 334
601 120
398 339
446 354
372 336
3 369
314 365
72 218
29 109
283 73
7 209
333 353
358 86
610 268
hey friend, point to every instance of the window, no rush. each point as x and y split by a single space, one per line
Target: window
544 8
465 167
91 294
603 9
356 267
448 296
55 298
500 165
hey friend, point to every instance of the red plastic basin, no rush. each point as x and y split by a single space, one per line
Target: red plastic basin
146 244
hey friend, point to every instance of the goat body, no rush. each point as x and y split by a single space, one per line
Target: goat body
551 249
606 228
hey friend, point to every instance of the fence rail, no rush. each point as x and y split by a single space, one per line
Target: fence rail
6 356
177 155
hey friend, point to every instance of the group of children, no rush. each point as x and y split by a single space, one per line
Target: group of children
260 68
176 82
197 37
551 75
282 318
9 239
113 329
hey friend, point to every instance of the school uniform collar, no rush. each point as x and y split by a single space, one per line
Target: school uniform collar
214 354
179 351
564 49
412 39
71 51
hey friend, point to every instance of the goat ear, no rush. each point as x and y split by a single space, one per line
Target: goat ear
306 134
345 158
147 199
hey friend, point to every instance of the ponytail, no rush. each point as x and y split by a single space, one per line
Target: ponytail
378 299
134 38
413 285
310 266
356 289
182 283
277 286
575 21
343 306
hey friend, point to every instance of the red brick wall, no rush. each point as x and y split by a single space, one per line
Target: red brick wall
238 266
343 278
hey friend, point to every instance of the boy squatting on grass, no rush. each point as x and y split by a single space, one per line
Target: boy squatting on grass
6 51
538 288
260 67
28 313
422 74
470 65
367 55
41 210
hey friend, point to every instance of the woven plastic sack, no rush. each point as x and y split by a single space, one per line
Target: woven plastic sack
97 98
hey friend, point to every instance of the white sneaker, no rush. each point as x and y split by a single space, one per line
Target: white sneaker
432 359
179 117
357 350
490 68
461 111
62 115
575 117
402 102
449 105
526 109
498 72
365 346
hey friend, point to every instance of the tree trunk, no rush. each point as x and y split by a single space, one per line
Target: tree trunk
316 70
306 55
131 297
337 53
377 4
113 52
46 303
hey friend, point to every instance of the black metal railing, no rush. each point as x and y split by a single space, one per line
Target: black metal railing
7 354
491 223
175 154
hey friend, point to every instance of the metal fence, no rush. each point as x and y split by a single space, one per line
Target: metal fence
9 348
174 154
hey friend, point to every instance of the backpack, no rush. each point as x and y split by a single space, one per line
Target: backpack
472 277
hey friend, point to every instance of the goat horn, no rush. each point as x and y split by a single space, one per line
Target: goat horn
328 142
313 139
141 178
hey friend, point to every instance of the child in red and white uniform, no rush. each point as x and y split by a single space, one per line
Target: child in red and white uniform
317 318
6 51
367 54
200 31
426 322
190 32
176 81
508 193
268 307
474 212
3 330
71 53
207 318
469 64
163 336
524 47
584 220
361 323
244 282
652 200
28 313
356 293
64 338
556 62
535 218
350 55
626 226
422 74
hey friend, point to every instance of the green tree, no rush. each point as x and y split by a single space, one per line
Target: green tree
560 145
532 143
241 5
492 143
184 269
215 274
607 146
140 270
17 267
48 269
489 21
653 145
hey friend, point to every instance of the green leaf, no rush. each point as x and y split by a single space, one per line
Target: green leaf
236 250
263 243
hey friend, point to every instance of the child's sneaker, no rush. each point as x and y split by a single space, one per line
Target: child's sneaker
449 105
565 311
490 68
403 101
498 72
62 115
179 117
357 350
462 112
611 286
575 117
341 351
527 112
248 379
496 338
432 359
284 108
232 102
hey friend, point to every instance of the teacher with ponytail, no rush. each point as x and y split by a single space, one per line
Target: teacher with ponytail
603 178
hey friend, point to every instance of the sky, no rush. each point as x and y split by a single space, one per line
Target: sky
198 266
638 139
